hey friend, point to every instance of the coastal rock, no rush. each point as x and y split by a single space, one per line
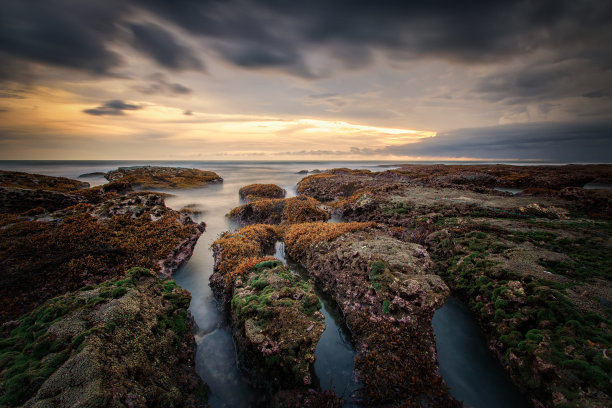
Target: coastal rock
278 325
17 179
340 184
279 211
143 177
387 293
531 268
274 312
254 192
20 200
47 254
125 342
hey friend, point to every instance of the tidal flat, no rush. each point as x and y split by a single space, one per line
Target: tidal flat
525 250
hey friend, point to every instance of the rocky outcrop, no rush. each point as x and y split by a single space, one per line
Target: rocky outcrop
47 254
279 211
23 200
387 292
534 269
125 342
278 325
274 312
340 184
254 192
17 179
144 177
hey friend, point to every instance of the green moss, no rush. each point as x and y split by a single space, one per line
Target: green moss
377 268
385 306
273 360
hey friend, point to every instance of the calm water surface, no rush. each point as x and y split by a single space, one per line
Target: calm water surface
470 370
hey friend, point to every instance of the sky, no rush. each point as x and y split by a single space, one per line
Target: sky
306 80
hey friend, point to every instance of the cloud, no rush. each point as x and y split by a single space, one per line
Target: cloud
596 94
160 85
563 142
258 34
69 34
161 46
114 108
10 95
274 33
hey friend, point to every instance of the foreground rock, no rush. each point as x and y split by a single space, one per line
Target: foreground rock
534 269
144 177
125 342
279 211
48 253
274 312
254 192
387 292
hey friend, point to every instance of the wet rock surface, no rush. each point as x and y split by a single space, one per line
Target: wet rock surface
144 177
387 292
23 200
17 179
279 211
125 342
534 268
274 312
254 192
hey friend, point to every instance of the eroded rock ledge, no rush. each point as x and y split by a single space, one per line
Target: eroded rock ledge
387 292
534 268
143 177
275 315
125 342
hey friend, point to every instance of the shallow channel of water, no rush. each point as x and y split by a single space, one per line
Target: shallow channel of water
470 370
335 353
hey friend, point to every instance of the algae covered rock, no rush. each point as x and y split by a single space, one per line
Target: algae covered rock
48 254
387 293
274 312
144 177
254 192
278 324
125 342
17 179
279 211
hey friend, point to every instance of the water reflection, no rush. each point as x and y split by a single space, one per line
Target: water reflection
470 370
335 354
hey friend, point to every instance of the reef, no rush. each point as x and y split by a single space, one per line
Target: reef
534 268
279 211
274 313
387 292
47 254
17 179
125 342
254 192
80 325
147 177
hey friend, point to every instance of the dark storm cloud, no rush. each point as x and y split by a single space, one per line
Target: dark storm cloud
564 142
546 80
277 33
114 108
160 45
596 94
479 31
160 85
65 33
